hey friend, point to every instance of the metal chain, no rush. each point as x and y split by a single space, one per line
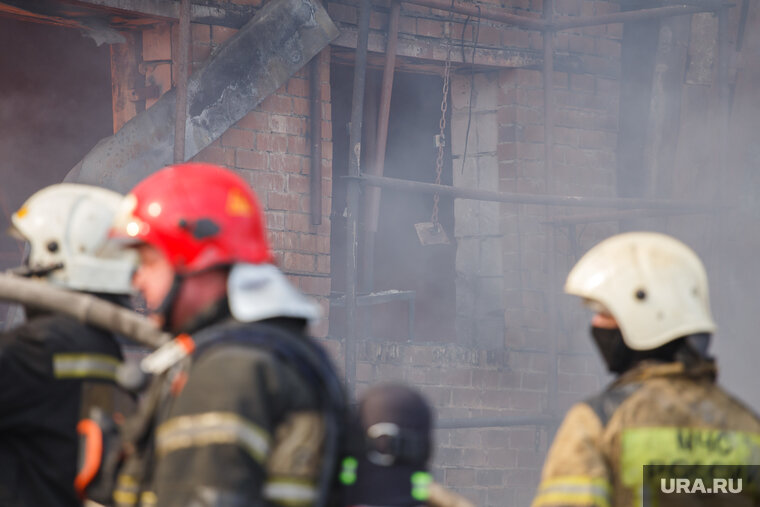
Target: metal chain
442 125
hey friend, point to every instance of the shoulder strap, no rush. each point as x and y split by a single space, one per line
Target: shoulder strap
607 402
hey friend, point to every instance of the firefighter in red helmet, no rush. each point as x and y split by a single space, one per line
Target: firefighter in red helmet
244 406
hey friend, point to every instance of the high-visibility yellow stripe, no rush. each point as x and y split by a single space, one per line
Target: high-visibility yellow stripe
573 490
101 366
584 499
148 498
213 428
290 492
124 498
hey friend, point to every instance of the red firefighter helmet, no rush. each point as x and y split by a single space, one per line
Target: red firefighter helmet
199 215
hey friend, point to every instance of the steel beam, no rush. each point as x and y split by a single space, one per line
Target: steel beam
537 199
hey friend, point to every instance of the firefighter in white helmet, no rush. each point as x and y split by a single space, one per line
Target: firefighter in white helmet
47 362
652 326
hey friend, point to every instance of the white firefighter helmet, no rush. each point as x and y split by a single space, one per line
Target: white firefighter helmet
67 227
652 284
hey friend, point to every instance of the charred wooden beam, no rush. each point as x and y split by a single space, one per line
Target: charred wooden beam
251 65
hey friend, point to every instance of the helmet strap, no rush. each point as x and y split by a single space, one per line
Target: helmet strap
167 305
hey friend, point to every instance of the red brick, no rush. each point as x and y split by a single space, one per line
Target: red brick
265 182
298 87
298 184
406 24
597 139
465 397
326 110
615 30
608 48
307 242
323 245
327 150
216 155
460 477
506 151
520 438
568 7
299 222
530 151
255 120
506 115
581 44
560 80
532 134
514 37
534 381
248 159
327 130
283 240
287 124
275 220
279 162
501 458
529 78
606 8
276 143
282 201
582 82
496 398
236 138
489 36
301 106
298 145
530 97
429 28
536 40
277 104
298 262
567 136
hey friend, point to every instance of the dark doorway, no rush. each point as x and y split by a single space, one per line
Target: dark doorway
55 104
400 261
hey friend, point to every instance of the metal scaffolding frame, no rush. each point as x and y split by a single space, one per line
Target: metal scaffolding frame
548 25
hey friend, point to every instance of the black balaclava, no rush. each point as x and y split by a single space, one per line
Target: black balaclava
619 357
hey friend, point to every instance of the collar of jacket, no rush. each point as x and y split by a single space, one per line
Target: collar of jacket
261 291
650 369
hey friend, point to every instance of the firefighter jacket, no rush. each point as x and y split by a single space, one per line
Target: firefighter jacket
654 414
240 422
44 365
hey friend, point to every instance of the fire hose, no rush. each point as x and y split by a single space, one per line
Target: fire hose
85 308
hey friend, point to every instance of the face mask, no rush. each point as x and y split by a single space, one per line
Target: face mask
616 354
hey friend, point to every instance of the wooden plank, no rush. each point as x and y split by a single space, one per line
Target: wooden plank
124 79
